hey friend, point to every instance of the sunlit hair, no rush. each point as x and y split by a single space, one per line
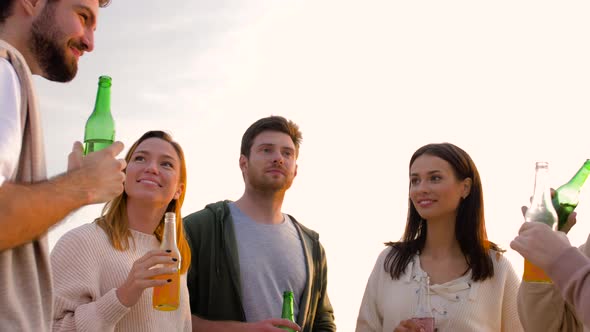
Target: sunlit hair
114 214
470 229
7 6
271 123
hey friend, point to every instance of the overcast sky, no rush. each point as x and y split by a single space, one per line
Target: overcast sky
369 82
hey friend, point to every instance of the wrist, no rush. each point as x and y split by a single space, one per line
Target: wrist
122 297
74 183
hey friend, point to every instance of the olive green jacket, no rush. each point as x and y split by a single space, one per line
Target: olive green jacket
214 275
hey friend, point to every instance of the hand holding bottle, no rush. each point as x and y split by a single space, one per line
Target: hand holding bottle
99 176
409 325
569 223
539 244
273 324
142 276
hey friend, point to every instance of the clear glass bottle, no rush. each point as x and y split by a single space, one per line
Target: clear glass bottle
167 297
541 210
423 315
100 126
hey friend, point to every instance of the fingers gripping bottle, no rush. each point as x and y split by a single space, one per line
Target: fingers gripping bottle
541 210
99 132
167 297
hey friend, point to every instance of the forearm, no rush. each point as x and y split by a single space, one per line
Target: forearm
541 307
571 274
29 210
100 315
202 325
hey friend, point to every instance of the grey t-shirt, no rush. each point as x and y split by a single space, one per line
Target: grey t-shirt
271 262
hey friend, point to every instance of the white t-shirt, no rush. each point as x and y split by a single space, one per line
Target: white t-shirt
10 124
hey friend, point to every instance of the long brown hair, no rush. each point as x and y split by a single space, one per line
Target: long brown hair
470 228
114 214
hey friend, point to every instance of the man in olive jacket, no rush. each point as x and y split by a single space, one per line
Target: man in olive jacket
246 253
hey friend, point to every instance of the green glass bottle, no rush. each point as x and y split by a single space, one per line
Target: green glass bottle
288 309
566 197
100 126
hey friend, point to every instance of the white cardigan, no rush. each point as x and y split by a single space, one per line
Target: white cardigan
458 305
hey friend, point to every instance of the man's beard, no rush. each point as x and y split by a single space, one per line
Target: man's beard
264 185
50 57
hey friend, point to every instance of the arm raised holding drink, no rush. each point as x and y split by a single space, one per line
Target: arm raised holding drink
545 306
95 178
541 306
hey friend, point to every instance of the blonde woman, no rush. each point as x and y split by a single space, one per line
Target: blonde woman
103 271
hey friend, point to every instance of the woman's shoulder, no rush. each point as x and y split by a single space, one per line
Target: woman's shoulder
389 252
84 235
501 263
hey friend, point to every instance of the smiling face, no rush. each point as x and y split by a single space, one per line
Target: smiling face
272 163
153 173
62 32
435 190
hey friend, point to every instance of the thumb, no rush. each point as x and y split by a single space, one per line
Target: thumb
75 157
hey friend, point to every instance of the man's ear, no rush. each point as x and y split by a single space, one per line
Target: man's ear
243 162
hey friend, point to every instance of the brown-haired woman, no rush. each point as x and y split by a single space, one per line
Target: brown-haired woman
472 286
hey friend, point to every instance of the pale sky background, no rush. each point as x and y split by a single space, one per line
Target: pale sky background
369 82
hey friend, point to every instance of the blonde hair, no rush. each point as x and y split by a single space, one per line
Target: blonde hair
114 220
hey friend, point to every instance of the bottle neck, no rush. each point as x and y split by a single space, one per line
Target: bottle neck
542 191
580 177
287 307
169 236
541 209
103 99
424 309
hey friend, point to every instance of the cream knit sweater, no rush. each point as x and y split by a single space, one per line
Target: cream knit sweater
87 271
460 305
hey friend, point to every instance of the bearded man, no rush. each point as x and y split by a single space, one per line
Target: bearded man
45 38
246 253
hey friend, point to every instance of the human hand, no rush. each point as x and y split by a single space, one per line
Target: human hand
271 325
268 325
142 276
569 223
409 325
75 157
99 175
539 244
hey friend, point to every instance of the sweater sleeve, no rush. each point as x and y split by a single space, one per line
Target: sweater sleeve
78 303
370 319
510 321
542 308
571 274
324 317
